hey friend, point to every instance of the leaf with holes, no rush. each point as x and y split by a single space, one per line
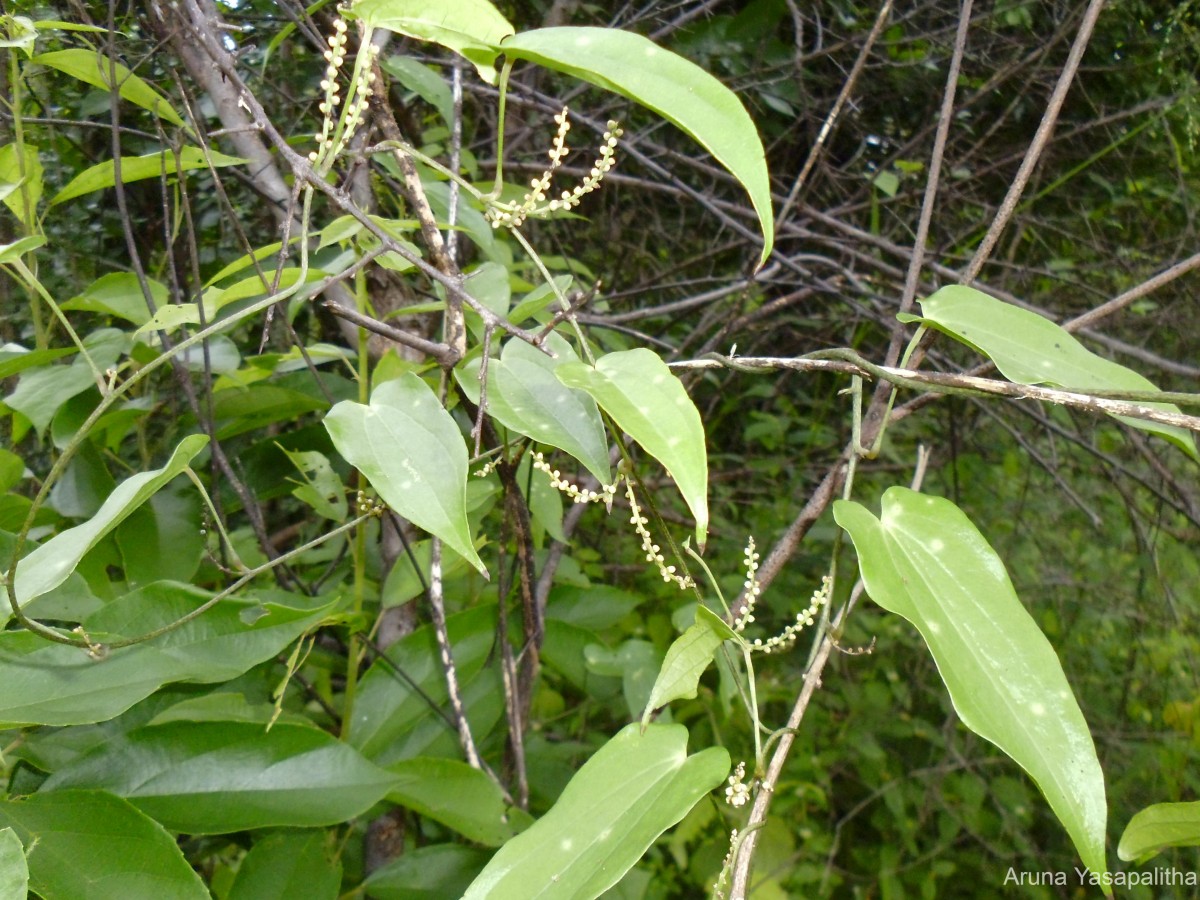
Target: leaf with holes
413 454
923 560
646 400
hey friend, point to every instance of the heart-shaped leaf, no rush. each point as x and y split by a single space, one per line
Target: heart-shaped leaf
413 454
53 684
923 559
525 395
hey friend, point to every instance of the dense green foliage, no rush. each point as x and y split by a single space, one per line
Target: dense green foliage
297 603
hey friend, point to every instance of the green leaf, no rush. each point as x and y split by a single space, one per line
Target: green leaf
21 31
120 294
97 70
160 541
458 796
14 870
525 395
15 358
634 788
52 684
675 88
635 662
436 872
321 488
286 866
1158 827
687 658
471 28
18 248
422 81
26 177
42 392
138 168
89 844
12 469
219 777
49 565
925 561
646 400
1029 349
413 453
388 707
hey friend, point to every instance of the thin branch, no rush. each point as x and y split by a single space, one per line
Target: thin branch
1129 404
1009 205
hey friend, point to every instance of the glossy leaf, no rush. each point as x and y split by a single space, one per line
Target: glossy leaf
14 871
670 85
471 28
49 565
436 872
1030 349
925 561
1157 827
138 168
458 796
687 658
96 69
52 684
632 790
413 453
525 395
646 400
218 777
90 844
289 865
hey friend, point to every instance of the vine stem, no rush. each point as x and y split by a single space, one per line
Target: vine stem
744 857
